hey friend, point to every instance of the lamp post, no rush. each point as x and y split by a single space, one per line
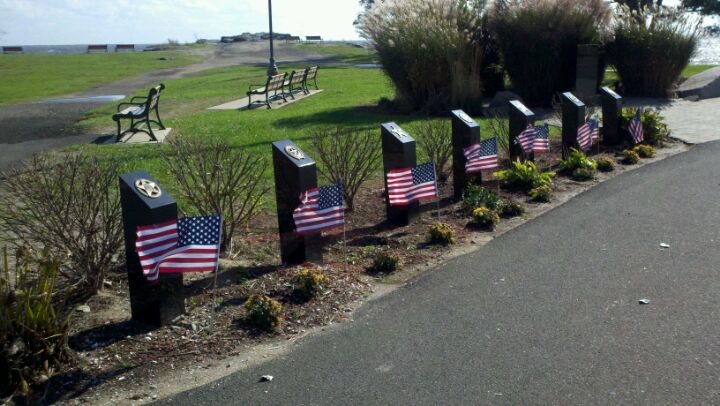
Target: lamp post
272 68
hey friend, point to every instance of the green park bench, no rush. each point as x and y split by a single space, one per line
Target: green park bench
12 50
125 48
138 112
274 84
91 49
313 38
296 82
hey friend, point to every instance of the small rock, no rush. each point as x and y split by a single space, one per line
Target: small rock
644 301
122 378
266 378
193 326
664 245
83 308
107 282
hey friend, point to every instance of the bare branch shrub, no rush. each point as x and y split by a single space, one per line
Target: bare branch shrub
435 139
500 128
218 179
347 157
71 207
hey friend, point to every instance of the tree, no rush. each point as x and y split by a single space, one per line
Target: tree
703 6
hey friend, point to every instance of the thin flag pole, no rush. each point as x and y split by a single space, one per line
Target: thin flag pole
437 191
345 263
217 264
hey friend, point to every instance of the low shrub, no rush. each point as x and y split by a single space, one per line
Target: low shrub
476 196
605 164
630 157
385 262
539 40
512 208
651 47
216 178
430 50
542 194
441 233
576 160
69 205
655 131
644 151
263 312
347 157
582 174
435 139
308 282
33 325
524 175
485 218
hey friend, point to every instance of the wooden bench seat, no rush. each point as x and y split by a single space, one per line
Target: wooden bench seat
273 85
138 111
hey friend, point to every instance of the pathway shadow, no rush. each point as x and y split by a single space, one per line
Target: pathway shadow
105 335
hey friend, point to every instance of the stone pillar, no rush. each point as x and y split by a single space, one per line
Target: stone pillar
145 203
295 173
465 132
519 117
611 110
573 116
586 78
398 149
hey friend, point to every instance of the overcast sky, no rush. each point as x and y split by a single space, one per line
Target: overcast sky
57 22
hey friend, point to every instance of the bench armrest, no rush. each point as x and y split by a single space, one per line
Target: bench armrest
138 98
250 88
120 106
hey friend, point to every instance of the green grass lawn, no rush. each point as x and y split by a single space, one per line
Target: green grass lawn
343 52
611 76
34 77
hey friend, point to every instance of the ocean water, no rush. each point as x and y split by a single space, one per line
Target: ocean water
708 51
70 49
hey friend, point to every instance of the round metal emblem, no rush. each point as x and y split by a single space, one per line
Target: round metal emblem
294 152
464 117
148 188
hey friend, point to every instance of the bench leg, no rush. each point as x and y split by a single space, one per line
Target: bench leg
160 123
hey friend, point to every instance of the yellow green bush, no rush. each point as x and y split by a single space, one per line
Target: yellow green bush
263 312
485 218
542 194
441 233
630 157
605 164
386 262
644 151
308 282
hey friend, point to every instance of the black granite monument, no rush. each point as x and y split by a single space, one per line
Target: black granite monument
398 149
586 79
465 132
295 173
519 118
573 116
145 203
611 110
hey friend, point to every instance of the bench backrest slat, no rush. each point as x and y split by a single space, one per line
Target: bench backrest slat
153 97
97 48
311 73
275 82
313 38
297 77
124 47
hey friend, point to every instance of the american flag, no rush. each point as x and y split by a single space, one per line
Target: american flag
636 128
410 184
191 244
584 136
594 129
526 138
542 140
321 208
481 156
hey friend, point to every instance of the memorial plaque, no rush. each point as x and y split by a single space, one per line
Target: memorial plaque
295 173
586 79
144 203
519 117
398 149
611 109
465 132
573 116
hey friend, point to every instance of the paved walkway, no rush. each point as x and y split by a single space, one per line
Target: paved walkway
545 314
693 122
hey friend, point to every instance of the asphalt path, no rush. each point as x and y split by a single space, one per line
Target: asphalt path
547 313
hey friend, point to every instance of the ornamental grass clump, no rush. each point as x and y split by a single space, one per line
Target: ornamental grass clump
630 157
539 39
644 151
441 233
263 312
308 282
33 324
651 47
485 218
430 50
605 164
